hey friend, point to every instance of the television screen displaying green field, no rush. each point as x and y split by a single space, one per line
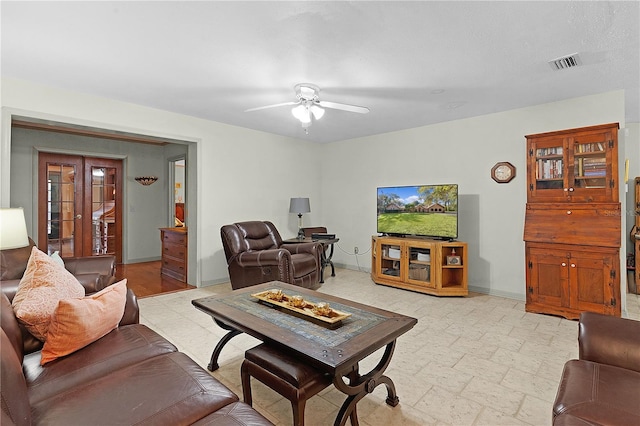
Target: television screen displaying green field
429 210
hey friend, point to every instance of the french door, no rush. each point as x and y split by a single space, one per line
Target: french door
79 205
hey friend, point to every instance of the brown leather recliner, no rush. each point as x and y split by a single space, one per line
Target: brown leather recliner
601 387
255 254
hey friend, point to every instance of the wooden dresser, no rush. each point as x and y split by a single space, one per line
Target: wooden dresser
174 253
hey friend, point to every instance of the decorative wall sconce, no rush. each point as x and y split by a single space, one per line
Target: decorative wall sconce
146 180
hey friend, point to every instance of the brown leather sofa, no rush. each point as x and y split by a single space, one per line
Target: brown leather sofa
601 387
255 254
130 376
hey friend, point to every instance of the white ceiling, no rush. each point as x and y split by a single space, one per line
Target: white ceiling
412 63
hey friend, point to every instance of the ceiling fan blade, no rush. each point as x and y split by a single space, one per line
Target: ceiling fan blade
344 107
271 106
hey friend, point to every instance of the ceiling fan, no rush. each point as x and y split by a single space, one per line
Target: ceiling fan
310 106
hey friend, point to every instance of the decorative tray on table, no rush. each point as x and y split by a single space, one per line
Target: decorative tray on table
320 313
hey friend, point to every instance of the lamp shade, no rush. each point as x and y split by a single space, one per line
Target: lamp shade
318 112
302 113
299 205
13 229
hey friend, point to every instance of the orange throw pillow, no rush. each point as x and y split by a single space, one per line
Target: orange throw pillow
79 322
43 284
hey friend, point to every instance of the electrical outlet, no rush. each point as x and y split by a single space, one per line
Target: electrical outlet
355 250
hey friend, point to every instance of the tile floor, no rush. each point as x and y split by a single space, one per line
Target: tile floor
477 360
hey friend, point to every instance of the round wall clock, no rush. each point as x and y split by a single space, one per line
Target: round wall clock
503 172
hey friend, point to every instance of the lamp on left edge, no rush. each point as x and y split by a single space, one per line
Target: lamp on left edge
13 229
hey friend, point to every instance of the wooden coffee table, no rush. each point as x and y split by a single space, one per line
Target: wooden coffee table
336 351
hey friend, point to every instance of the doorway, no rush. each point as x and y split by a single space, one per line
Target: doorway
177 182
80 205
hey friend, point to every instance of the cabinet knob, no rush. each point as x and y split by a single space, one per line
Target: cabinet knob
570 189
568 211
564 264
573 265
566 189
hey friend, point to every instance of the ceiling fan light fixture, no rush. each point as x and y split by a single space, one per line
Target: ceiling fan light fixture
309 107
301 112
317 112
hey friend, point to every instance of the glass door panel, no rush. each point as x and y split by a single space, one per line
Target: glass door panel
60 210
60 207
103 202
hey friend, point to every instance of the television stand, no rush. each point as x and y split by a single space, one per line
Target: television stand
428 266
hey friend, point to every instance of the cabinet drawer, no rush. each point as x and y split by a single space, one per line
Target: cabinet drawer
173 264
179 238
178 251
580 224
174 268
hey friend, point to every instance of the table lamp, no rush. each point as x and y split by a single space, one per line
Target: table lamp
299 206
13 229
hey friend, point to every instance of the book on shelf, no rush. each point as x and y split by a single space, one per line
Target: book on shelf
549 169
589 147
595 173
594 160
543 152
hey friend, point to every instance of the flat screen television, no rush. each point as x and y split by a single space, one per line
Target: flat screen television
423 210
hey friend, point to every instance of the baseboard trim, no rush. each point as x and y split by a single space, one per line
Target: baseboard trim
498 293
217 281
142 260
351 267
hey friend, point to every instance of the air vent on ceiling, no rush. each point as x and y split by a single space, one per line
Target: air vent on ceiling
564 62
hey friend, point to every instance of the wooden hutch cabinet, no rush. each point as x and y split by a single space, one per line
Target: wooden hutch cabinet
420 264
573 222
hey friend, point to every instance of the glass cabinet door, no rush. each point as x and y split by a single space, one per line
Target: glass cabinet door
420 266
548 170
550 165
390 261
591 178
589 165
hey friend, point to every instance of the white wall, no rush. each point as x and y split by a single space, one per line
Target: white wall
491 216
244 174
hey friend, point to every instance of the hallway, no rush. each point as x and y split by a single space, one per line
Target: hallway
145 279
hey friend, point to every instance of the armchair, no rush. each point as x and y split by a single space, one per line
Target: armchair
255 254
309 231
601 386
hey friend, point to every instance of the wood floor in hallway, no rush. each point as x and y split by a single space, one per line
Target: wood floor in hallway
145 279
